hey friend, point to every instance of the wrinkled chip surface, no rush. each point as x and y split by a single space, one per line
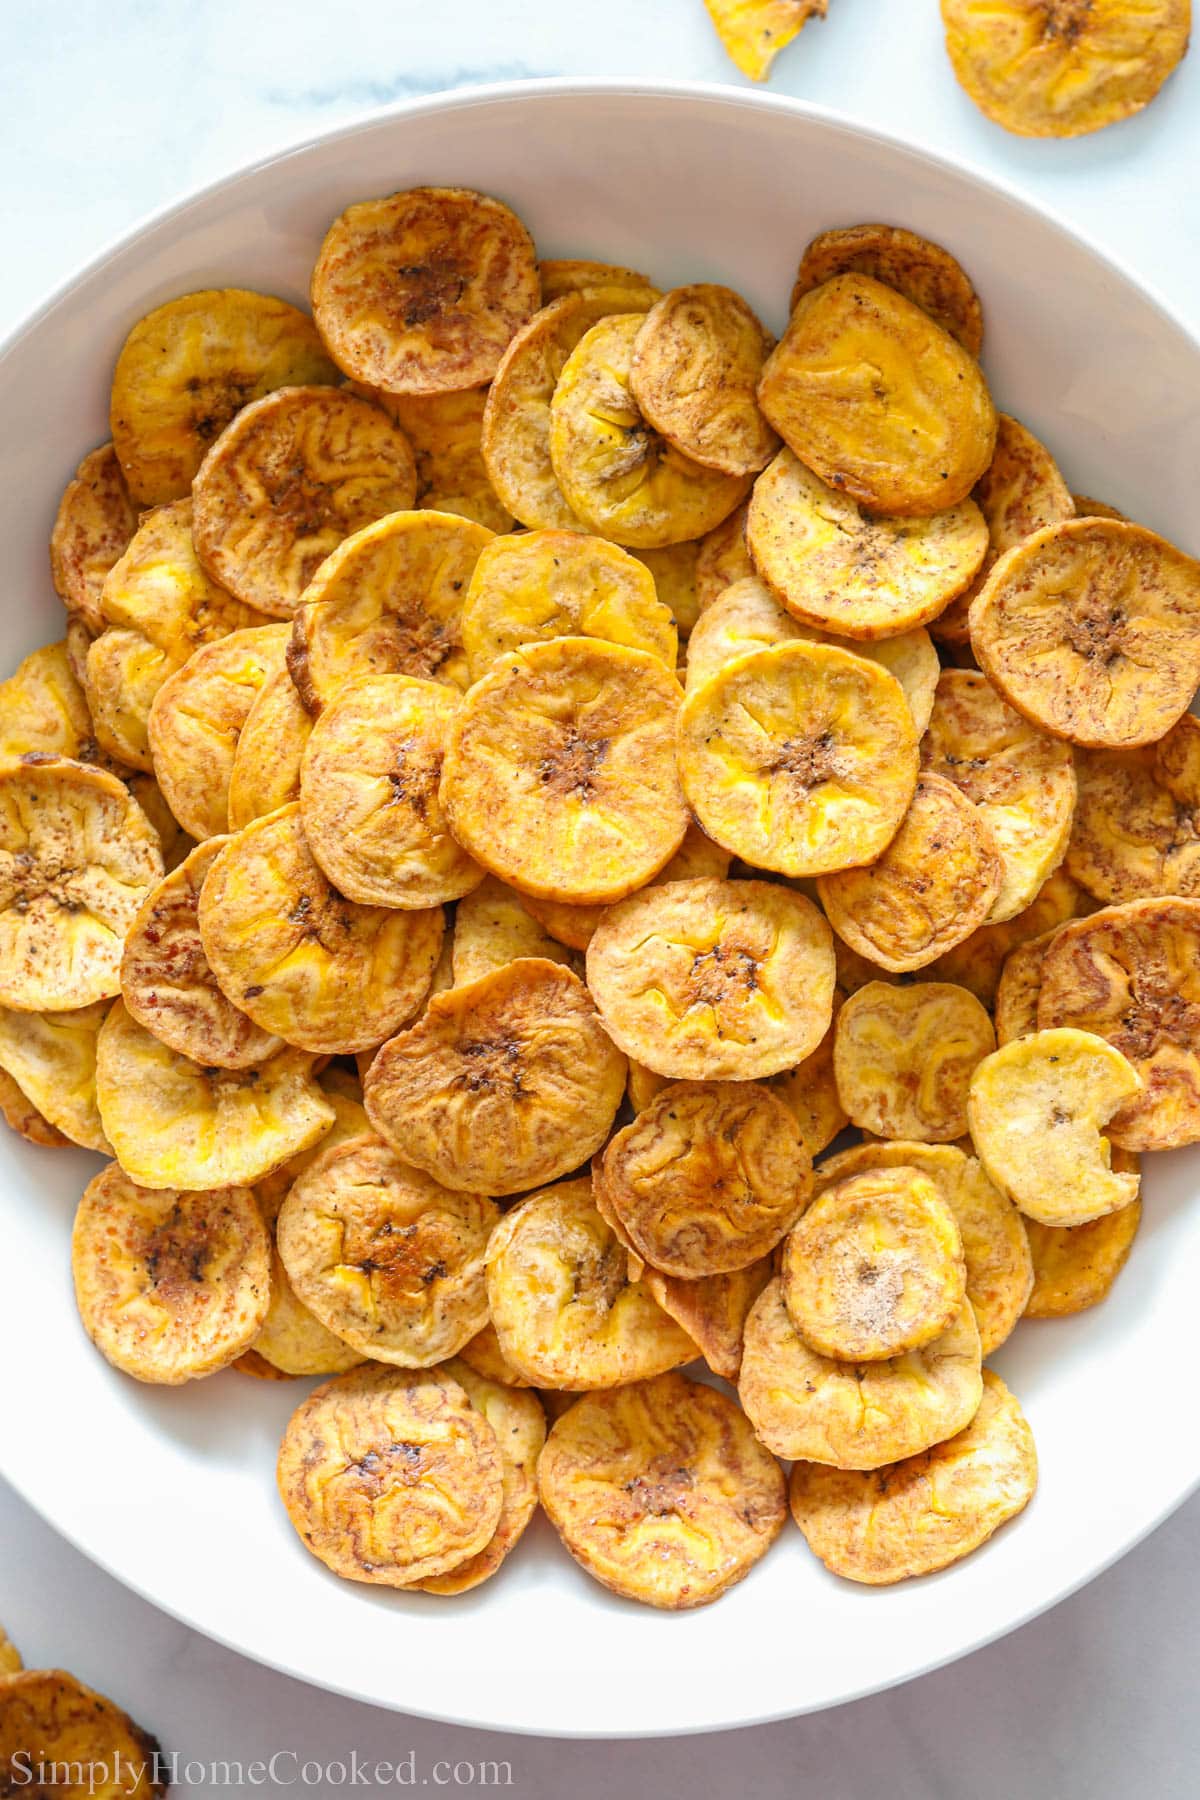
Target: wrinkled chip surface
753 32
696 365
1015 1010
674 570
49 1717
810 1091
923 272
44 711
1074 1266
801 758
503 1084
712 1310
572 274
904 1057
723 557
560 773
713 980
483 1354
1136 831
93 526
977 963
51 1058
169 1285
444 431
575 926
927 1511
268 752
661 1491
493 927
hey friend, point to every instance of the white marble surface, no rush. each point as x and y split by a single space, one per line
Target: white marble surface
110 108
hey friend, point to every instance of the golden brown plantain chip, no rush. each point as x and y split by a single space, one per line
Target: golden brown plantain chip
391 1476
573 274
123 673
708 1177
624 480
10 1657
80 1740
1074 1266
1091 629
369 795
977 963
922 271
269 751
95 521
854 1415
550 584
483 1354
875 1267
1131 975
1059 68
516 420
932 886
723 558
904 1057
1087 508
1015 1009
305 963
251 1363
565 1312
1037 1111
175 1123
385 1257
674 571
77 857
1022 781
1136 831
695 370
714 980
23 1117
493 927
801 758
810 1091
78 641
170 1285
861 574
929 1510
753 32
51 1058
188 366
995 1246
44 711
291 476
560 770
575 926
504 1083
445 432
422 291
661 1491
712 1310
388 601
878 400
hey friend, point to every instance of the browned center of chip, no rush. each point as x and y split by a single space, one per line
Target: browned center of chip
809 760
492 1064
300 497
661 1492
1158 1013
404 1258
573 766
215 399
413 775
177 1252
396 1465
1066 20
428 289
601 1274
1096 629
718 974
415 641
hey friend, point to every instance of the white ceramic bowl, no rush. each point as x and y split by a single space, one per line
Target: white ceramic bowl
172 1490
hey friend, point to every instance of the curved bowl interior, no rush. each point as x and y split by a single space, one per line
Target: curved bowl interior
173 1490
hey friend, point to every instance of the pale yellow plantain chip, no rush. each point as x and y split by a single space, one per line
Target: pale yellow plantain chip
169 1285
696 364
1131 974
10 1656
93 526
188 367
384 1256
77 857
1136 830
166 980
305 963
391 1476
550 584
674 569
753 32
256 1366
1015 1009
1059 68
723 558
927 1511
932 887
175 1123
618 475
388 601
575 926
1091 629
708 1177
572 274
1019 493
801 758
661 1491
122 674
878 400
516 420
197 717
712 980
999 1271
712 1310
269 751
51 1057
859 573
423 291
1037 1110
560 770
49 1717
78 641
520 1427
483 1354
504 1083
1087 508
977 963
290 477
922 271
44 711
1022 782
493 927
810 1091
445 432
1074 1266
565 1312
875 1267
369 795
904 1058
854 1415
22 1116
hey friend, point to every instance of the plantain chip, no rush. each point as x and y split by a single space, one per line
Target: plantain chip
483 1354
753 32
169 1285
51 1058
22 1116
445 433
810 1090
923 272
391 1476
723 558
573 274
122 674
696 364
1015 1010
977 963
674 569
10 1656
50 1720
575 926
291 476
1087 508
712 1310
1074 1266
93 526
493 927
269 751
1136 831
44 711
904 1058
